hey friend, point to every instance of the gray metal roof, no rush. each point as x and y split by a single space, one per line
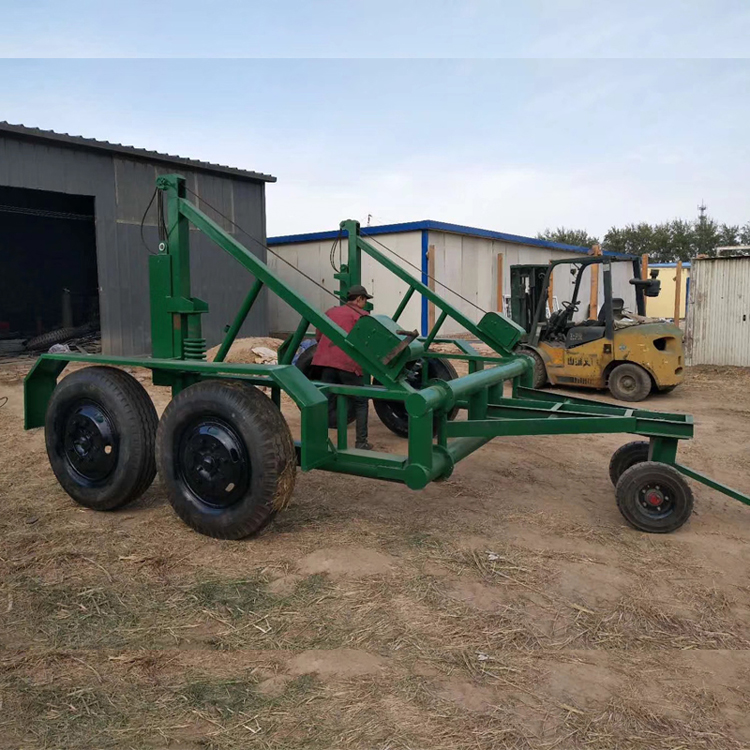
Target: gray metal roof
77 141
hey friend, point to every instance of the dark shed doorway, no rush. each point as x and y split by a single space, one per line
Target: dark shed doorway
48 271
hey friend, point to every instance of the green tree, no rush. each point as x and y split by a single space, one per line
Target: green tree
565 236
706 235
682 241
637 239
669 241
728 235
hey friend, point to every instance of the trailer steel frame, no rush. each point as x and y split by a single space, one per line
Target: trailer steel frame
435 443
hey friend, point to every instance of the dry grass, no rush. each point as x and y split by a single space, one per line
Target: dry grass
505 617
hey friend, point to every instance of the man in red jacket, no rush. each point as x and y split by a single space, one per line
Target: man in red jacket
336 365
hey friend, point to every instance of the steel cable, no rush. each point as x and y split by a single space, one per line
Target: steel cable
262 244
400 257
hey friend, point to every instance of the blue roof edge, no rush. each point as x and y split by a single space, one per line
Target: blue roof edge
438 226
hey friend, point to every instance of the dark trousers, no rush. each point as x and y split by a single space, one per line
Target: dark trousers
344 377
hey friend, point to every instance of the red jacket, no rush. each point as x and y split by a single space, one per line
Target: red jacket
329 355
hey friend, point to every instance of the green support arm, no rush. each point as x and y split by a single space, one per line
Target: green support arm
269 278
495 330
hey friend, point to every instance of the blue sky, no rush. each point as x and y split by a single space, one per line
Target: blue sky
516 144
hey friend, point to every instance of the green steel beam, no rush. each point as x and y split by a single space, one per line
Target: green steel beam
262 272
404 302
663 450
234 329
342 422
37 389
489 428
290 349
176 320
294 299
443 395
434 332
474 329
712 483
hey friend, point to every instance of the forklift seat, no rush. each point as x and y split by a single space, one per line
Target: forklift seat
618 305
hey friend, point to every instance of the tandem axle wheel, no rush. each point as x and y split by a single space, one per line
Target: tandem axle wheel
652 496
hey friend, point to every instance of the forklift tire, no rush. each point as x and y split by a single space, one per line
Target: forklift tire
629 382
100 432
227 458
654 497
393 413
312 372
540 369
626 456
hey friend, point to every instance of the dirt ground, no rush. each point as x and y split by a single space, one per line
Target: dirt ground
509 607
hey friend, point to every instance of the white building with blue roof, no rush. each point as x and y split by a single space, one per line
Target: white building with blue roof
473 262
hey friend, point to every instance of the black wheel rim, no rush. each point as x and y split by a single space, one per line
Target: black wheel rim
656 500
628 383
90 443
212 462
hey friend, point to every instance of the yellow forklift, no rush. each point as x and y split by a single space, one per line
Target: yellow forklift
624 351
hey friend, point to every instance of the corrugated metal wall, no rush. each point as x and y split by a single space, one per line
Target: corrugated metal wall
122 188
718 318
463 263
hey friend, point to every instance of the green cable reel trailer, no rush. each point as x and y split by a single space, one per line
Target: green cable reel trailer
223 448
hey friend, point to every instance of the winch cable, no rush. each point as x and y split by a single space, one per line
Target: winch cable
143 221
302 273
409 263
262 244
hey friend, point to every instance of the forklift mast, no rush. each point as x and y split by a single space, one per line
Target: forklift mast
530 284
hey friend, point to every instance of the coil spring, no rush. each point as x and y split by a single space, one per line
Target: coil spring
194 348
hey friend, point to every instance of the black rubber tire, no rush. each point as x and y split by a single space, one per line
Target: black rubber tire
128 410
60 336
267 458
629 382
641 477
304 363
312 372
540 369
667 389
626 456
393 413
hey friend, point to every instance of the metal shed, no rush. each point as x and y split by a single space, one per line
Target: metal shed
473 262
718 316
72 216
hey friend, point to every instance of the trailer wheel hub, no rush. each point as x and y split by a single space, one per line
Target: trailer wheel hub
654 497
213 462
89 442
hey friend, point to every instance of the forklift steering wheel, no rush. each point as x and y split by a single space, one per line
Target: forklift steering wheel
569 307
